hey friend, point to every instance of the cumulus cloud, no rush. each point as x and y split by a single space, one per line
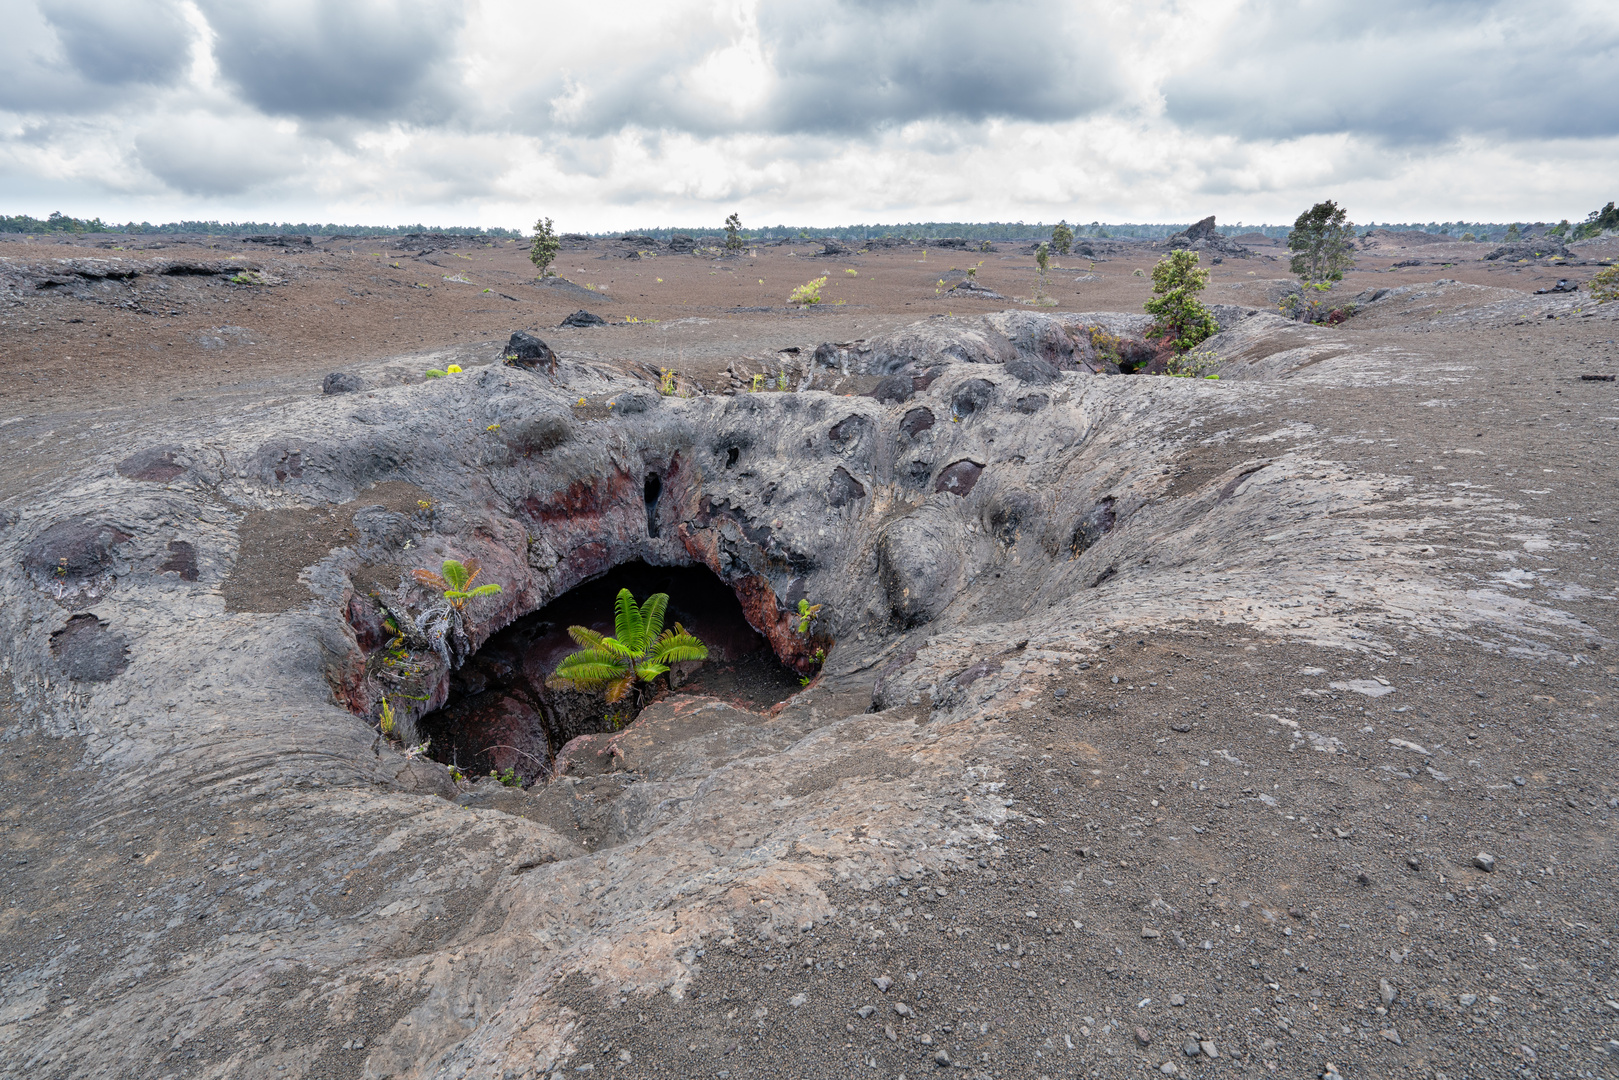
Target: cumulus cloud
849 67
316 59
1404 71
678 111
204 154
114 42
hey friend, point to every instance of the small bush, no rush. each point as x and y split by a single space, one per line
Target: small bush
808 293
735 240
1179 315
1605 285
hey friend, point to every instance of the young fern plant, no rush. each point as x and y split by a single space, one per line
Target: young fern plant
444 623
640 650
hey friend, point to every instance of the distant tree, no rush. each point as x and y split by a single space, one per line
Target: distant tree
1597 222
1560 229
1321 242
545 247
734 240
1513 233
1062 238
1179 315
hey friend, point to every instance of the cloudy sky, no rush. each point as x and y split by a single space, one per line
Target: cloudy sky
676 112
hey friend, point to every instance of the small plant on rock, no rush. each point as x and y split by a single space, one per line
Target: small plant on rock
444 623
1180 316
640 650
806 613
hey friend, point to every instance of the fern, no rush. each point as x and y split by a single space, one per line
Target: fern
640 650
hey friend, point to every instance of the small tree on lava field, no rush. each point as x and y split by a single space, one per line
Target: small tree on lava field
1322 241
1062 238
545 247
734 240
1179 316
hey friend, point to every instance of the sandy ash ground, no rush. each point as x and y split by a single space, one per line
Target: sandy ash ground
1323 785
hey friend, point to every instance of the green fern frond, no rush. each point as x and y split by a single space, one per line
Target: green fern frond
627 623
650 670
586 637
456 575
652 612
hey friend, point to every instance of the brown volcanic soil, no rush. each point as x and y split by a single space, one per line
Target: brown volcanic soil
1166 790
342 302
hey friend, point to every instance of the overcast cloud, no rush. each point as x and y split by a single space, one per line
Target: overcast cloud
639 113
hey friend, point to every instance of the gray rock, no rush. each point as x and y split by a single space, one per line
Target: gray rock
903 1009
865 1011
341 382
1191 1048
583 318
1485 862
88 651
1209 1049
1177 1000
1387 992
882 982
941 1058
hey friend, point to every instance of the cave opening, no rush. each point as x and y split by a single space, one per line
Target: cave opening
499 714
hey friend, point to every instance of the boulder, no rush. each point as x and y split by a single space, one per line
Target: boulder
341 382
682 244
527 350
583 318
1203 237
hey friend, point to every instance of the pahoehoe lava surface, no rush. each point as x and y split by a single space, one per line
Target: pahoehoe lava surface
1260 723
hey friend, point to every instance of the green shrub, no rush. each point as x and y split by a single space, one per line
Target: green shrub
808 293
734 238
1179 315
1605 285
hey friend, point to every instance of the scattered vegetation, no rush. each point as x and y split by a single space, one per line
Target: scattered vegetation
1321 241
509 778
1309 305
1598 222
809 293
542 251
1062 238
435 373
1605 285
1179 316
640 650
1192 365
666 382
1106 345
